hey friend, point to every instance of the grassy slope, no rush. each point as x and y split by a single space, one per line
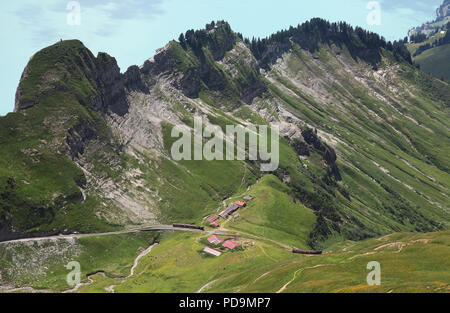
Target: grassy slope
191 189
379 202
273 214
435 61
409 263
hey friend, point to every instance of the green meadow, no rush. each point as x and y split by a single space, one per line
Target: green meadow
275 215
409 263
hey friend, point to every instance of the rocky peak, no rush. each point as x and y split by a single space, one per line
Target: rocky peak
53 69
196 63
218 38
68 67
133 80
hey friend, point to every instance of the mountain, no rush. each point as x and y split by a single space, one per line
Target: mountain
430 44
364 139
88 147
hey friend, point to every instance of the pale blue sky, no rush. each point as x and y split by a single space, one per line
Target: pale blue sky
131 30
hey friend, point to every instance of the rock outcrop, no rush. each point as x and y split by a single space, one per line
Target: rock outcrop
112 85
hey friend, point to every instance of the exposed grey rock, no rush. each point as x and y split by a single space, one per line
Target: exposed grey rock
79 136
133 80
112 85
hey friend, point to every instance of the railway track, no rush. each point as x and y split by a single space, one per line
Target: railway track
128 231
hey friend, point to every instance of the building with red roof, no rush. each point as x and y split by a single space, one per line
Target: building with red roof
215 224
230 245
213 218
241 203
216 240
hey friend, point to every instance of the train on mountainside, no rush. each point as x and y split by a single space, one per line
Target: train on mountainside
296 251
187 226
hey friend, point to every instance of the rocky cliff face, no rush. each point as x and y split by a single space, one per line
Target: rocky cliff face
443 11
375 163
112 85
210 60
